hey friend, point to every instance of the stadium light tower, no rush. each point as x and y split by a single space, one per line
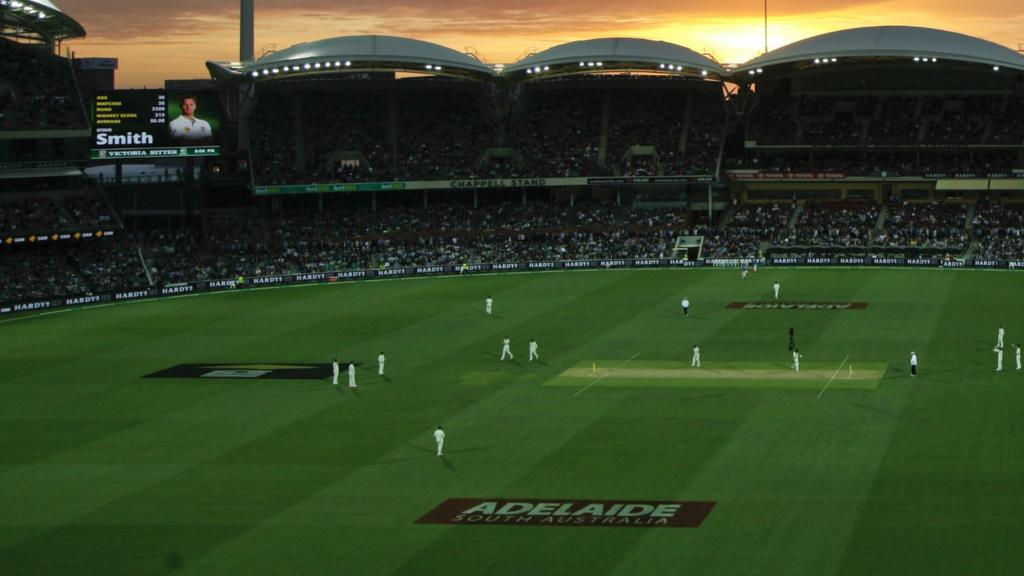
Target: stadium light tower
246 36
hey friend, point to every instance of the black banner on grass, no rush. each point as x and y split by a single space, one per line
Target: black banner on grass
250 371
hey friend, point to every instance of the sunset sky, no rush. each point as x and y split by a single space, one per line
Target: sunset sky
159 40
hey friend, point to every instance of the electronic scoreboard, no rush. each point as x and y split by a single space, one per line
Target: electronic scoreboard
142 124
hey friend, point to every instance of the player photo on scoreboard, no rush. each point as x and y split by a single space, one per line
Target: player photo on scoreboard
194 117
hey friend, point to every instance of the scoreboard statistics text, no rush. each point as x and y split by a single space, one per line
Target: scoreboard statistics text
140 124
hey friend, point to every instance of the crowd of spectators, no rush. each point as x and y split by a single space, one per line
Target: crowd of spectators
703 140
836 224
751 227
773 119
272 139
296 239
1008 125
558 131
646 116
30 215
874 163
345 123
925 224
37 90
431 129
53 212
953 121
887 119
314 241
442 133
37 272
897 121
108 265
998 230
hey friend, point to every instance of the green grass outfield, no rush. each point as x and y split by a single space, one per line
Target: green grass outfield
106 473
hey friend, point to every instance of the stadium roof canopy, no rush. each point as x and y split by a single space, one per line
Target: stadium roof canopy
346 54
615 55
39 20
886 43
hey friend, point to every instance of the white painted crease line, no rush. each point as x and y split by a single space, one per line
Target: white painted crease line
833 375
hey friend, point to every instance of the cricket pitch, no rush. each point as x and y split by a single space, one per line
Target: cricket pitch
611 373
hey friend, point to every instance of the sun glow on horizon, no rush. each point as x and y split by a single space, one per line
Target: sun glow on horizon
149 60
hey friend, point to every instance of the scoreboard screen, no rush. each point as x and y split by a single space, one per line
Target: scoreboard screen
154 124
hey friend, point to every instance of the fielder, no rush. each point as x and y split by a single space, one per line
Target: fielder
439 439
999 336
775 288
913 364
686 306
351 374
695 363
489 305
506 349
380 364
999 359
533 351
796 360
1017 353
743 270
335 372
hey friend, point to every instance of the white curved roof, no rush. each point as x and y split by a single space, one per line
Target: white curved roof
611 50
907 41
44 17
391 49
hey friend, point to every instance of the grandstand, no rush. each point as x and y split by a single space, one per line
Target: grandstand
847 143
